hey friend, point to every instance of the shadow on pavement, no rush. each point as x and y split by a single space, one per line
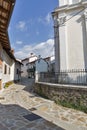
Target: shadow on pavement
15 117
28 83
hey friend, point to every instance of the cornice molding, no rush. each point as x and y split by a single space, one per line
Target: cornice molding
70 7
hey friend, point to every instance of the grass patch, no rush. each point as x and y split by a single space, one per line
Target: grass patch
72 105
8 84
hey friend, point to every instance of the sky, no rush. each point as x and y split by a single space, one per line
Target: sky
31 28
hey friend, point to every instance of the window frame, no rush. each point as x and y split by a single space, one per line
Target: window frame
5 69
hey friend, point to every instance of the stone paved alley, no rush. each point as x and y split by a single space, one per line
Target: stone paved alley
21 109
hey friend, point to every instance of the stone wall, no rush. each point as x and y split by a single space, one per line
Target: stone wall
75 95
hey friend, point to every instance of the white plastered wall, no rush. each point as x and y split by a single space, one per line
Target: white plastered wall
24 68
68 2
76 42
9 63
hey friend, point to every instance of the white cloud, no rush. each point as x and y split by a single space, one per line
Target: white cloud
44 49
19 42
21 25
47 20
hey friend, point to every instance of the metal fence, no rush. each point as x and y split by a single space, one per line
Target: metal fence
64 77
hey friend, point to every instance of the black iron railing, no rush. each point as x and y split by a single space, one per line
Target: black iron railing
64 77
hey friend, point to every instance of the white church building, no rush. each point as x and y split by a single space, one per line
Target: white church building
70 33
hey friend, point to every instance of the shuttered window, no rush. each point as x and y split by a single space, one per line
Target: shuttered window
5 69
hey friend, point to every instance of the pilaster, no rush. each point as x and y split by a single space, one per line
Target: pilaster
85 14
57 48
63 42
85 38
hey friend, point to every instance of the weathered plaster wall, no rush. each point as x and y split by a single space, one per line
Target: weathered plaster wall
10 64
17 75
67 2
24 68
71 44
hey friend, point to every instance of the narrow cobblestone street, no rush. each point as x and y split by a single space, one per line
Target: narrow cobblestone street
21 109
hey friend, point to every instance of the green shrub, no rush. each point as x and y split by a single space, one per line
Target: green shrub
8 84
72 105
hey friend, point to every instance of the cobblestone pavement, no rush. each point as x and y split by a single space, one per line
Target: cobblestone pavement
18 102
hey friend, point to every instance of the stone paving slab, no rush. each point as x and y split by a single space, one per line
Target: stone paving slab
17 102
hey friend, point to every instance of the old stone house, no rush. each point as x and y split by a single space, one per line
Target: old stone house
7 59
17 72
28 67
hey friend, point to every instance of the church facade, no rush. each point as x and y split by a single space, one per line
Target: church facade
70 35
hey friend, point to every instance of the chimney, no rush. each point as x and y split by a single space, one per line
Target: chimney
31 54
39 56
